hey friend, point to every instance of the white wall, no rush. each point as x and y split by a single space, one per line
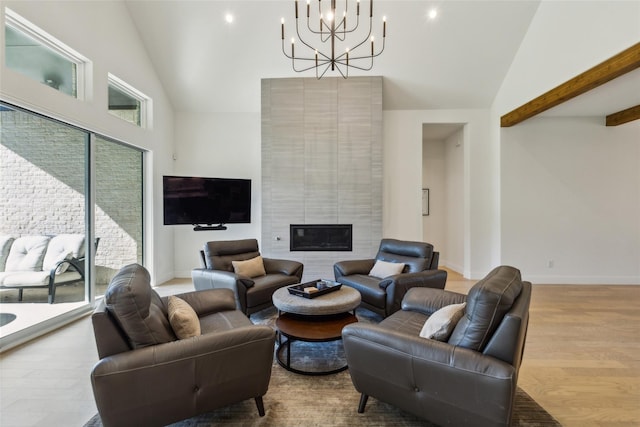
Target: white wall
454 201
570 186
103 32
443 173
224 145
434 178
571 198
402 163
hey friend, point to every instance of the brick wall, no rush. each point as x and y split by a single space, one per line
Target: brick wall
42 175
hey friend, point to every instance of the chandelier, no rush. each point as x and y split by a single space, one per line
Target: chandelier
330 29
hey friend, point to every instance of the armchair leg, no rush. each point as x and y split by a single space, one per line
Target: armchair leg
260 405
363 403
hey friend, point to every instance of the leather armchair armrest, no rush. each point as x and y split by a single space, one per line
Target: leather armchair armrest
429 300
209 301
204 279
397 286
222 279
354 266
211 345
364 343
284 266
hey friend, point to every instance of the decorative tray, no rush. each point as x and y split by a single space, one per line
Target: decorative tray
315 288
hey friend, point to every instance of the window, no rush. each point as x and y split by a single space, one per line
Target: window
56 179
128 103
34 53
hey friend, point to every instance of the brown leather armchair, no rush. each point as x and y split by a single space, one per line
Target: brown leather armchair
384 296
252 293
148 377
468 380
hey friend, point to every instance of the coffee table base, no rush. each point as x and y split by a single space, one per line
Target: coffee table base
309 329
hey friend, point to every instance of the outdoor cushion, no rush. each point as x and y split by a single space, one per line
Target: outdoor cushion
27 253
5 245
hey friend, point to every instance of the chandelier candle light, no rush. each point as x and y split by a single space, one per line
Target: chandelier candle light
332 34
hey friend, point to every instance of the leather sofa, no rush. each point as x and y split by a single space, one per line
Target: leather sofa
384 295
252 293
468 379
146 376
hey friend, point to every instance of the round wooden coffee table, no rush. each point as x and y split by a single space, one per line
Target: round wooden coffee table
318 319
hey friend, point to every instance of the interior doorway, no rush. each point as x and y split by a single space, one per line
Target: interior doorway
443 175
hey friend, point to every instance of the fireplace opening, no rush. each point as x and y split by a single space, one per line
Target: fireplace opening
320 237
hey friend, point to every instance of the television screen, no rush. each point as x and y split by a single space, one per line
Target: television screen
194 200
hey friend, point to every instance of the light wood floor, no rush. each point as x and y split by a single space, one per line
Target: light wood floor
582 355
581 361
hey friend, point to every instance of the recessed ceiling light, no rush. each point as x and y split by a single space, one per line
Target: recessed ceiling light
229 18
433 13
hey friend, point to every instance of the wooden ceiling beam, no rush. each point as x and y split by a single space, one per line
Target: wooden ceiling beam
622 63
624 116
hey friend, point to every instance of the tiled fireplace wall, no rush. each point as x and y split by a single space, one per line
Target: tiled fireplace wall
321 164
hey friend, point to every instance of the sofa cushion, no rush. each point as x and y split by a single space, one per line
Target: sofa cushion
34 279
5 246
382 269
61 247
183 318
137 308
27 253
487 302
253 267
440 324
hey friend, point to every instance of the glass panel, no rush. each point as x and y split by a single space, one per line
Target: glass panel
27 56
118 209
123 105
42 194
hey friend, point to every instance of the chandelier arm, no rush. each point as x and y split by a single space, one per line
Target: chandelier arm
302 40
333 31
320 64
355 58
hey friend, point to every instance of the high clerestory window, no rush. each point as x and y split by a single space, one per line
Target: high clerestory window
128 103
36 54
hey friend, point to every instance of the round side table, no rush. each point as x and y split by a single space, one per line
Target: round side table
318 319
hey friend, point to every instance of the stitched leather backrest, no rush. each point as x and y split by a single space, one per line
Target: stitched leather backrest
137 308
487 302
219 254
415 255
507 342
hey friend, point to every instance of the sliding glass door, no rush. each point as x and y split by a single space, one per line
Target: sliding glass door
64 193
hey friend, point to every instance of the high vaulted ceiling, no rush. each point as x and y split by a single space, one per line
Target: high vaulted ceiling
457 60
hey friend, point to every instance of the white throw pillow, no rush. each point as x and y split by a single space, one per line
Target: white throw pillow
253 267
440 324
382 269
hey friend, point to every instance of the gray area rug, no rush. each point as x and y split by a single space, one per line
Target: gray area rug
298 400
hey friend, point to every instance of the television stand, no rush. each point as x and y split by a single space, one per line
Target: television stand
197 227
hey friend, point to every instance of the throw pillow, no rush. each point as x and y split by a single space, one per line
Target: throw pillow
382 269
253 267
184 320
440 324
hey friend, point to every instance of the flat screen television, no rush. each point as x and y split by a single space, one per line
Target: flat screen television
206 201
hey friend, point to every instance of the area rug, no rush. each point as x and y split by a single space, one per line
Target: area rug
298 400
